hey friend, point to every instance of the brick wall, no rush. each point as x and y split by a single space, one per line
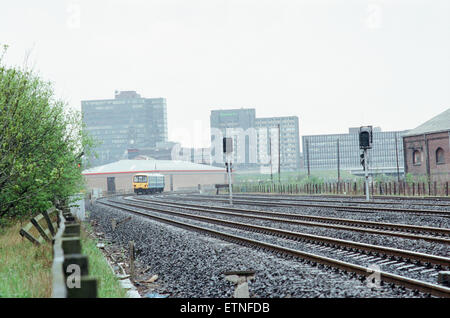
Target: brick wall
438 171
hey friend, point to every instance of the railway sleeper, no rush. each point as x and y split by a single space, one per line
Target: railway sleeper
278 253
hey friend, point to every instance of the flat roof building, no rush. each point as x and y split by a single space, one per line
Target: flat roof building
179 175
321 151
267 132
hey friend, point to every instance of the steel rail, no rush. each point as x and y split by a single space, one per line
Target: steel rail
288 218
296 198
389 251
409 283
374 197
337 207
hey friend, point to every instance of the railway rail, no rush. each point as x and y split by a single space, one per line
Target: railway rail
344 208
316 198
425 259
381 228
364 249
363 197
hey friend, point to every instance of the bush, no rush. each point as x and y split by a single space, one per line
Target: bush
40 144
410 179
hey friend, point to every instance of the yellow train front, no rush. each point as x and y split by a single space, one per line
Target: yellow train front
146 183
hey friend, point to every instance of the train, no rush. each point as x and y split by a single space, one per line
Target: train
146 183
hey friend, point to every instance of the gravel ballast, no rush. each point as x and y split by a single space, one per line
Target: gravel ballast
192 264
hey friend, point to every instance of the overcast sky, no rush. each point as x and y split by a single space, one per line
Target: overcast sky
334 64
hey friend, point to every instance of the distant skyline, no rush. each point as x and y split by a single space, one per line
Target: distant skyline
334 64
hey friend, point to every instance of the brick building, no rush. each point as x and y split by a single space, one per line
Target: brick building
427 149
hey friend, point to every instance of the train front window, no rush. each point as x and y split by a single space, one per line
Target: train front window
140 178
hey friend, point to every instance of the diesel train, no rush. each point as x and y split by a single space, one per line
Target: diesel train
146 183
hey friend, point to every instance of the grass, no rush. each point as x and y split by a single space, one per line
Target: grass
108 284
296 177
25 269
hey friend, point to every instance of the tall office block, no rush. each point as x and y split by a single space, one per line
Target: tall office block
256 140
289 140
237 124
128 121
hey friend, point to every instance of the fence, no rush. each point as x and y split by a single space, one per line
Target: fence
37 231
351 188
70 268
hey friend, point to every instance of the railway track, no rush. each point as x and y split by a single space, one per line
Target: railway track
358 250
299 198
434 234
342 208
445 199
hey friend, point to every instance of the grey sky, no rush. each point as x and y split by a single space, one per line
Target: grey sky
334 64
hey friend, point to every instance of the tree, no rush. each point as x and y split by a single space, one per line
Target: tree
40 144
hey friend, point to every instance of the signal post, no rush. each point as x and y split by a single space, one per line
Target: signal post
228 150
365 143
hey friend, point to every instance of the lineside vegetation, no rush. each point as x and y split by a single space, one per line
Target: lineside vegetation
25 269
41 144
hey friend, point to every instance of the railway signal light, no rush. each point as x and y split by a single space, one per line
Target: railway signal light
365 137
362 159
78 159
227 145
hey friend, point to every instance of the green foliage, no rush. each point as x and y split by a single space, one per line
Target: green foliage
298 177
380 178
410 179
40 144
108 285
311 180
25 269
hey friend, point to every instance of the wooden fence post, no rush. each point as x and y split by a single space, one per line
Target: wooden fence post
69 266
